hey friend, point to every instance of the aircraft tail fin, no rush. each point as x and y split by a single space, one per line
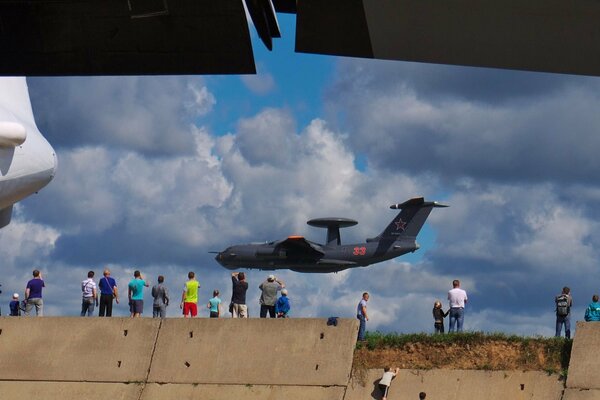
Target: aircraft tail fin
409 221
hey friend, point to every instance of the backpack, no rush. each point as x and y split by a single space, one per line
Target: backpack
562 305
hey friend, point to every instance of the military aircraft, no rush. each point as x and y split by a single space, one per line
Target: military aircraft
301 255
27 161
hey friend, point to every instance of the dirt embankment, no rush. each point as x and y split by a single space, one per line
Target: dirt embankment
526 355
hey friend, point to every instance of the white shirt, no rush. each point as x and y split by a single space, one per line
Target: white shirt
457 298
387 378
87 287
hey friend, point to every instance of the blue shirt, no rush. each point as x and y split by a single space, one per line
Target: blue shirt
137 289
35 288
106 285
214 304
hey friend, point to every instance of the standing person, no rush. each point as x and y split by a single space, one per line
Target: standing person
214 305
135 294
33 294
563 302
108 292
89 295
592 313
438 317
161 299
268 296
361 314
282 307
238 296
386 381
15 309
189 297
457 299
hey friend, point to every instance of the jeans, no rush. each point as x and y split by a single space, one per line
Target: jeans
457 317
264 309
106 303
566 320
87 306
363 326
159 311
39 305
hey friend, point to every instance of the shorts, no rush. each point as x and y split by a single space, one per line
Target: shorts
384 390
214 314
136 306
190 308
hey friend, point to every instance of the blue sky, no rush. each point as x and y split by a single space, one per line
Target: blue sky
155 172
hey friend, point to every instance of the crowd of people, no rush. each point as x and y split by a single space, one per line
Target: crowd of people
104 293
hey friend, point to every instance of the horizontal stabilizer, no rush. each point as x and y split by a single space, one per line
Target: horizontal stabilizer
416 202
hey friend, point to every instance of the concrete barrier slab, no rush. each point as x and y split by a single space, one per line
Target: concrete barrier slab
294 351
585 363
76 349
69 391
460 385
245 392
581 394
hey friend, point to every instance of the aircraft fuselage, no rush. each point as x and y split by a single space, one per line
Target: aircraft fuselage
335 258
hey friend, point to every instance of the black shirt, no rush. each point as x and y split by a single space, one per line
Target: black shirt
239 291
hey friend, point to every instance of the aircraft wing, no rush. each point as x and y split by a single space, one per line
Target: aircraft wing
535 35
341 263
123 37
298 244
5 216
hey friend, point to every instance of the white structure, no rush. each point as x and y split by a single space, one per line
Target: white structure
27 161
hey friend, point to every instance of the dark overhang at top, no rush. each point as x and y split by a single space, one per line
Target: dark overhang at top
141 37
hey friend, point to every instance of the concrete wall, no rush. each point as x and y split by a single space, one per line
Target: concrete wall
291 351
147 359
459 385
585 363
76 349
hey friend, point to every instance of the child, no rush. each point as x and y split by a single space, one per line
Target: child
282 307
386 381
438 316
214 305
15 309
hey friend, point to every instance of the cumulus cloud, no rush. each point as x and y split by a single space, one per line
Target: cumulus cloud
260 84
401 122
144 114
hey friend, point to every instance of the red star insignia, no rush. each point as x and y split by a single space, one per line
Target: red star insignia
400 225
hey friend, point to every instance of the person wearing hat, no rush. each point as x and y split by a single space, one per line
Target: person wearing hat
15 310
268 296
282 307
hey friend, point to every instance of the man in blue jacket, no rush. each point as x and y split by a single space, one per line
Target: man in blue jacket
592 313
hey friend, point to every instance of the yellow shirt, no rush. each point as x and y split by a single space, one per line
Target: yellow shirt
191 291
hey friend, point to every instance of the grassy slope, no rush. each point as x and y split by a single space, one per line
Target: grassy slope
473 350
